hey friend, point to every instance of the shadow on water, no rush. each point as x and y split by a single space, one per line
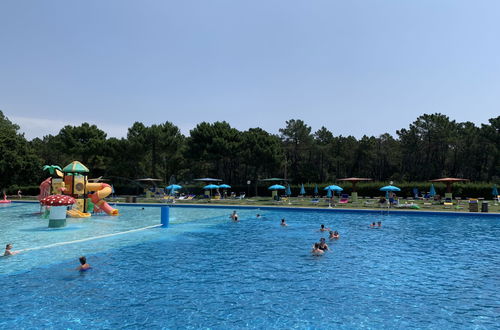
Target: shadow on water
38 229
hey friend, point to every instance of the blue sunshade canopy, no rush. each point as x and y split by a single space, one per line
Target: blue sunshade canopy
329 194
334 188
211 186
432 191
173 186
302 190
494 192
224 186
276 187
390 188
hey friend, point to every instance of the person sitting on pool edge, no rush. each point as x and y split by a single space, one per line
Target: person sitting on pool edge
323 228
84 265
283 222
234 216
8 250
334 235
316 250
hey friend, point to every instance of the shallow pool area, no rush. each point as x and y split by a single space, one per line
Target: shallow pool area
204 271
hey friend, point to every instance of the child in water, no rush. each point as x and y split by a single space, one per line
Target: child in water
283 223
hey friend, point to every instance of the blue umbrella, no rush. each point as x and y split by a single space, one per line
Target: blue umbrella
224 186
302 190
211 186
276 187
415 192
316 190
329 193
494 192
288 191
173 186
334 188
390 188
432 191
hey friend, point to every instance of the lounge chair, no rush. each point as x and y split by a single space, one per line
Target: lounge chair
344 199
241 196
448 203
315 201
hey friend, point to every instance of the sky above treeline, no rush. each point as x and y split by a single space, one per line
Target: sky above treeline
355 67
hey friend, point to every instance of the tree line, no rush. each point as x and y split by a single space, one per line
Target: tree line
432 146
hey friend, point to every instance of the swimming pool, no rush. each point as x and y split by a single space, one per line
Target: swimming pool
417 271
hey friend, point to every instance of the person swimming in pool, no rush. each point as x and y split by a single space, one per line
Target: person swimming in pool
316 250
234 216
283 222
334 235
323 228
258 216
379 224
322 244
372 225
84 265
8 251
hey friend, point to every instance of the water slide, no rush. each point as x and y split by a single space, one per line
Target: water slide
102 190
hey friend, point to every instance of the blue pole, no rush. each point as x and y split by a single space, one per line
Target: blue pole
165 215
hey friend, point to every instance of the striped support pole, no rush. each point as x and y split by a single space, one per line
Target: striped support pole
165 215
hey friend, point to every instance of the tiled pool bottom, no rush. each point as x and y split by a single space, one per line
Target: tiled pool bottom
207 272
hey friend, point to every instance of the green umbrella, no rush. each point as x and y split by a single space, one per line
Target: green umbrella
75 167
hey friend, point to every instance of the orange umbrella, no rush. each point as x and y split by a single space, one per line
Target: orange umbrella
449 182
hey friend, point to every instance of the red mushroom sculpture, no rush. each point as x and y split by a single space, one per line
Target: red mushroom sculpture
58 205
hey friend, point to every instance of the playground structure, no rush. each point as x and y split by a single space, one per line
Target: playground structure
72 181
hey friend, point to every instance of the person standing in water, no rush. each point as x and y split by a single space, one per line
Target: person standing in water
8 251
283 222
83 264
234 216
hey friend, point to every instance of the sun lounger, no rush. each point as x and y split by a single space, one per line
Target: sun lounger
315 201
344 199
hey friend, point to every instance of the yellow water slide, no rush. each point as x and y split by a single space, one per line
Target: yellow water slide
101 191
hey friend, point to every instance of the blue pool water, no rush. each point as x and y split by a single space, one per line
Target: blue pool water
206 272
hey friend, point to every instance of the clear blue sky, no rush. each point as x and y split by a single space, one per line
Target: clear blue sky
356 67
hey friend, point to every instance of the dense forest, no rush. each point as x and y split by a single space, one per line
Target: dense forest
432 146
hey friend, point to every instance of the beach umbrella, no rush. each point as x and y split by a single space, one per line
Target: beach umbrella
224 186
173 188
432 191
390 188
276 187
315 190
415 192
302 190
494 192
211 186
207 180
334 188
288 191
329 193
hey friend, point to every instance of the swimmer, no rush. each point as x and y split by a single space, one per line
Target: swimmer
322 244
258 216
283 222
234 216
334 235
372 225
323 228
8 251
316 250
84 265
379 224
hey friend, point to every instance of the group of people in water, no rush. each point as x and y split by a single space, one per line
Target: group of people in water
83 260
318 248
